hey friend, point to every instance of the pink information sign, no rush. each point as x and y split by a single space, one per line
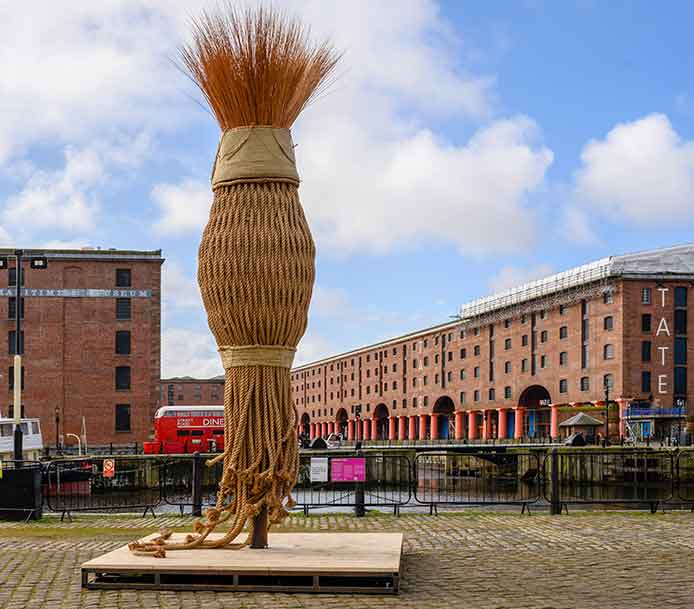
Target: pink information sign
350 469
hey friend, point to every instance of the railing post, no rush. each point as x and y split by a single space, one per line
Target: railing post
555 492
197 484
359 509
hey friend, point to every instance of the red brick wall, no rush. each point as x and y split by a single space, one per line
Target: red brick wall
189 391
312 386
69 356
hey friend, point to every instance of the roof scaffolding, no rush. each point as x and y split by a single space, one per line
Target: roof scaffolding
582 282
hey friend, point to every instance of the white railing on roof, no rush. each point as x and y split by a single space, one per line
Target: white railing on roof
580 275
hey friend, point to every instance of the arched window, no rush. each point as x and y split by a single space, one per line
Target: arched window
608 351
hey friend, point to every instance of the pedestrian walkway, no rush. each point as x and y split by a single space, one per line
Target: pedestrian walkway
480 560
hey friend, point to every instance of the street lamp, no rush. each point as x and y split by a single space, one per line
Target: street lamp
607 412
35 262
57 430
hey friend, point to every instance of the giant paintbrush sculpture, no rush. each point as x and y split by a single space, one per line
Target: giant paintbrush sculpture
257 70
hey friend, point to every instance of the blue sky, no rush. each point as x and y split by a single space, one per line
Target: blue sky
466 147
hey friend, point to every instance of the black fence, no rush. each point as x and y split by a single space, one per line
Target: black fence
386 481
93 484
592 476
480 478
618 478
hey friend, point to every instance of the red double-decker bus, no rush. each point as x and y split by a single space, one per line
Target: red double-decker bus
187 429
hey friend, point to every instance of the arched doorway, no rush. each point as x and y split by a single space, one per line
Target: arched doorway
305 424
381 416
341 423
536 400
444 408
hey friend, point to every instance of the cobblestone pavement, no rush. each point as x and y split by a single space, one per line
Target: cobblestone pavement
476 560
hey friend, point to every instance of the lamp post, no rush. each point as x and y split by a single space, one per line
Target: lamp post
36 262
607 413
57 430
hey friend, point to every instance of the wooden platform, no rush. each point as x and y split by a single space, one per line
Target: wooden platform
294 562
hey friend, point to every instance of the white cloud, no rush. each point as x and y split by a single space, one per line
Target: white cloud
189 353
512 276
367 191
643 171
311 348
576 226
179 290
184 206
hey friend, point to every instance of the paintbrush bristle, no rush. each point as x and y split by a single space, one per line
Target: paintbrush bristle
256 67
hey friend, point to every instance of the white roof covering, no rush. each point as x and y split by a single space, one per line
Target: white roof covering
673 261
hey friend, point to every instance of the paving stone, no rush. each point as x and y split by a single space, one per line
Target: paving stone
482 560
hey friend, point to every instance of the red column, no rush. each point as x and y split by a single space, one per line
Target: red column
487 424
331 427
366 428
434 427
374 428
392 428
518 428
423 426
402 427
459 424
554 422
350 430
471 425
412 431
324 425
503 423
312 432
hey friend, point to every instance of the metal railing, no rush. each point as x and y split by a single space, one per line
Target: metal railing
84 485
186 481
615 477
480 478
387 483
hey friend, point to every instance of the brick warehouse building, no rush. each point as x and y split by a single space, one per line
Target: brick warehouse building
187 391
519 363
91 338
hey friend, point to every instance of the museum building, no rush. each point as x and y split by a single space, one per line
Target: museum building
90 340
517 364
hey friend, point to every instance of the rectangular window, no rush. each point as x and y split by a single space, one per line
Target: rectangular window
477 395
462 374
646 322
492 395
507 367
122 377
562 309
507 323
10 378
524 365
507 393
524 340
543 361
12 277
680 321
123 279
12 308
477 372
608 298
123 308
543 336
477 349
563 332
462 397
608 352
646 351
646 381
680 351
680 380
122 417
646 296
563 386
680 297
563 358
463 353
123 342
585 383
507 344
608 323
608 381
11 338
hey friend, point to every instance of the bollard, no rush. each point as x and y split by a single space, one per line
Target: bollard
197 484
555 491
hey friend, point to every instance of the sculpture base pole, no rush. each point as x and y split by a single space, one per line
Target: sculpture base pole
259 541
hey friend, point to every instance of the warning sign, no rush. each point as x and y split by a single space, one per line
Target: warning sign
109 468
